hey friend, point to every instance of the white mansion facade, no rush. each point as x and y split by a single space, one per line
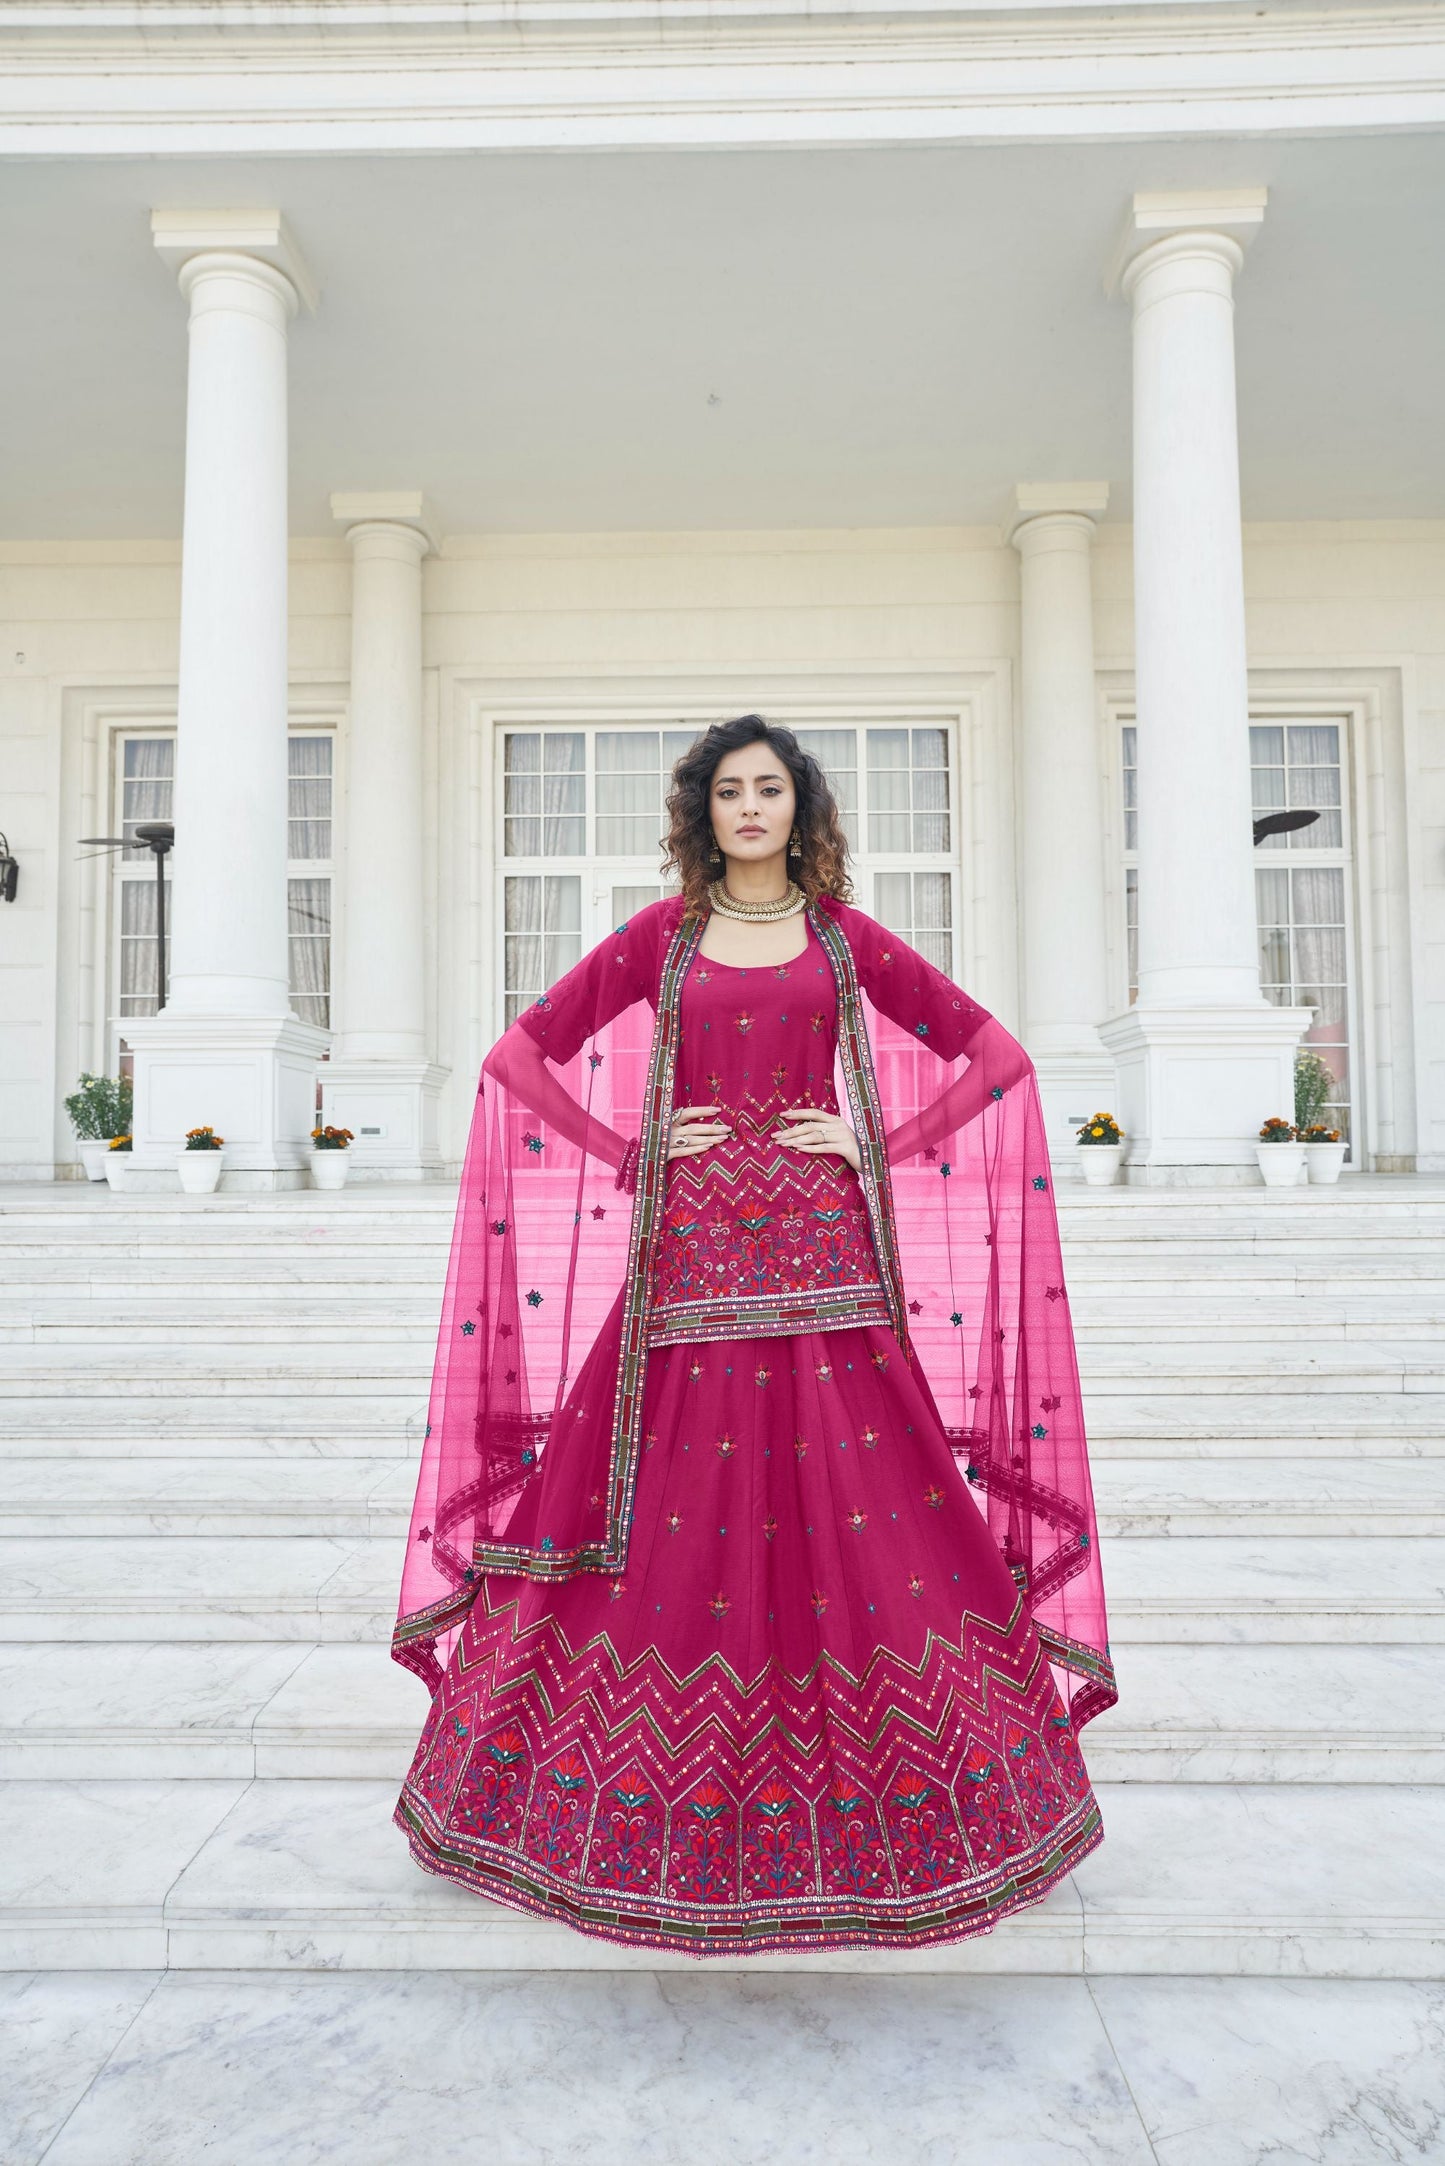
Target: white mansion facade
422 424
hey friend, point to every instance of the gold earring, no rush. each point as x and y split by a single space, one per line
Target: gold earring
795 847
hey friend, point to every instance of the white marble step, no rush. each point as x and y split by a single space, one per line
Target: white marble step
1127 1425
349 1369
332 1496
1292 1714
404 1321
1191 1880
1352 1589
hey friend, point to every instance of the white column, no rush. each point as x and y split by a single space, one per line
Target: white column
1065 955
379 1082
1204 1057
226 1050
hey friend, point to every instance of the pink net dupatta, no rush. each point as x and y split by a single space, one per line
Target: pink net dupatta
534 1418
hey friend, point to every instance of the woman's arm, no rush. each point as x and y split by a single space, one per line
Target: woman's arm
921 999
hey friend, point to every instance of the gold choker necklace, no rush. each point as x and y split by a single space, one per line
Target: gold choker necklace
786 905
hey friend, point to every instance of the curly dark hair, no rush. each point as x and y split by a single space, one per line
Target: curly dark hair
823 867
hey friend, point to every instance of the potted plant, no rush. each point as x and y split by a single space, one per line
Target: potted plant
199 1163
117 1158
1100 1149
1314 1087
1281 1155
99 1109
328 1156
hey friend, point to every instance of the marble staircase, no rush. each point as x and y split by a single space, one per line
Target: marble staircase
211 1409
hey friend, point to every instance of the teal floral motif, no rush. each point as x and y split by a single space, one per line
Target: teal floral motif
468 1328
956 1317
499 1225
922 1029
534 1299
1038 1429
1040 1181
533 1143
998 1090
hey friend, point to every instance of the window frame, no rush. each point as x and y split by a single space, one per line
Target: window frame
600 875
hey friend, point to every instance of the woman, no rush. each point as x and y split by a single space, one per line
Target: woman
739 1638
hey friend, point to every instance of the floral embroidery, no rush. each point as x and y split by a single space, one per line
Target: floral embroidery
870 1436
725 1447
824 1372
819 1602
915 1585
933 1497
499 1225
672 1522
770 1528
800 1445
1040 1181
762 1376
856 1520
468 1328
534 1299
533 1143
720 1604
743 1022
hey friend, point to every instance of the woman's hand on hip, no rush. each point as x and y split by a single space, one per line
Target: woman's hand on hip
695 1130
821 1135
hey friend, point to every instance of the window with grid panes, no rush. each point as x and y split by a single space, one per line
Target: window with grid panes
1302 888
309 787
1301 881
595 796
144 790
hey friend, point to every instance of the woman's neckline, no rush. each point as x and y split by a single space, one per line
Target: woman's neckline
711 962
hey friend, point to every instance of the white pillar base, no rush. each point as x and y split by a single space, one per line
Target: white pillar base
1072 1085
399 1101
1197 1084
250 1077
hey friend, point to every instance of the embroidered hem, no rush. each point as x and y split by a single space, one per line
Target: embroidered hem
819 1925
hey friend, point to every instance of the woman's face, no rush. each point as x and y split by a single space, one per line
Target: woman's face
752 803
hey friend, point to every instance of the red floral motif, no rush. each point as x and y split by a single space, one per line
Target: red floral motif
626 1846
870 1436
777 1842
703 1865
672 1522
720 1604
770 1528
725 1447
856 1520
494 1789
743 1022
915 1585
850 1840
986 1803
1034 1780
451 1732
762 1377
557 1827
922 1831
933 1497
819 1602
800 1446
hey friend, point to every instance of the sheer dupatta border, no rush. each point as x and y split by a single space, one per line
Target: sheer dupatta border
494 1436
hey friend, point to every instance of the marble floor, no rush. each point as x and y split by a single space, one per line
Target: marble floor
108 2068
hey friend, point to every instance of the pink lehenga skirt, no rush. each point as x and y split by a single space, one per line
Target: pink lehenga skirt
812 1711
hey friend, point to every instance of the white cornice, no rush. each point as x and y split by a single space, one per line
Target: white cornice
437 75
